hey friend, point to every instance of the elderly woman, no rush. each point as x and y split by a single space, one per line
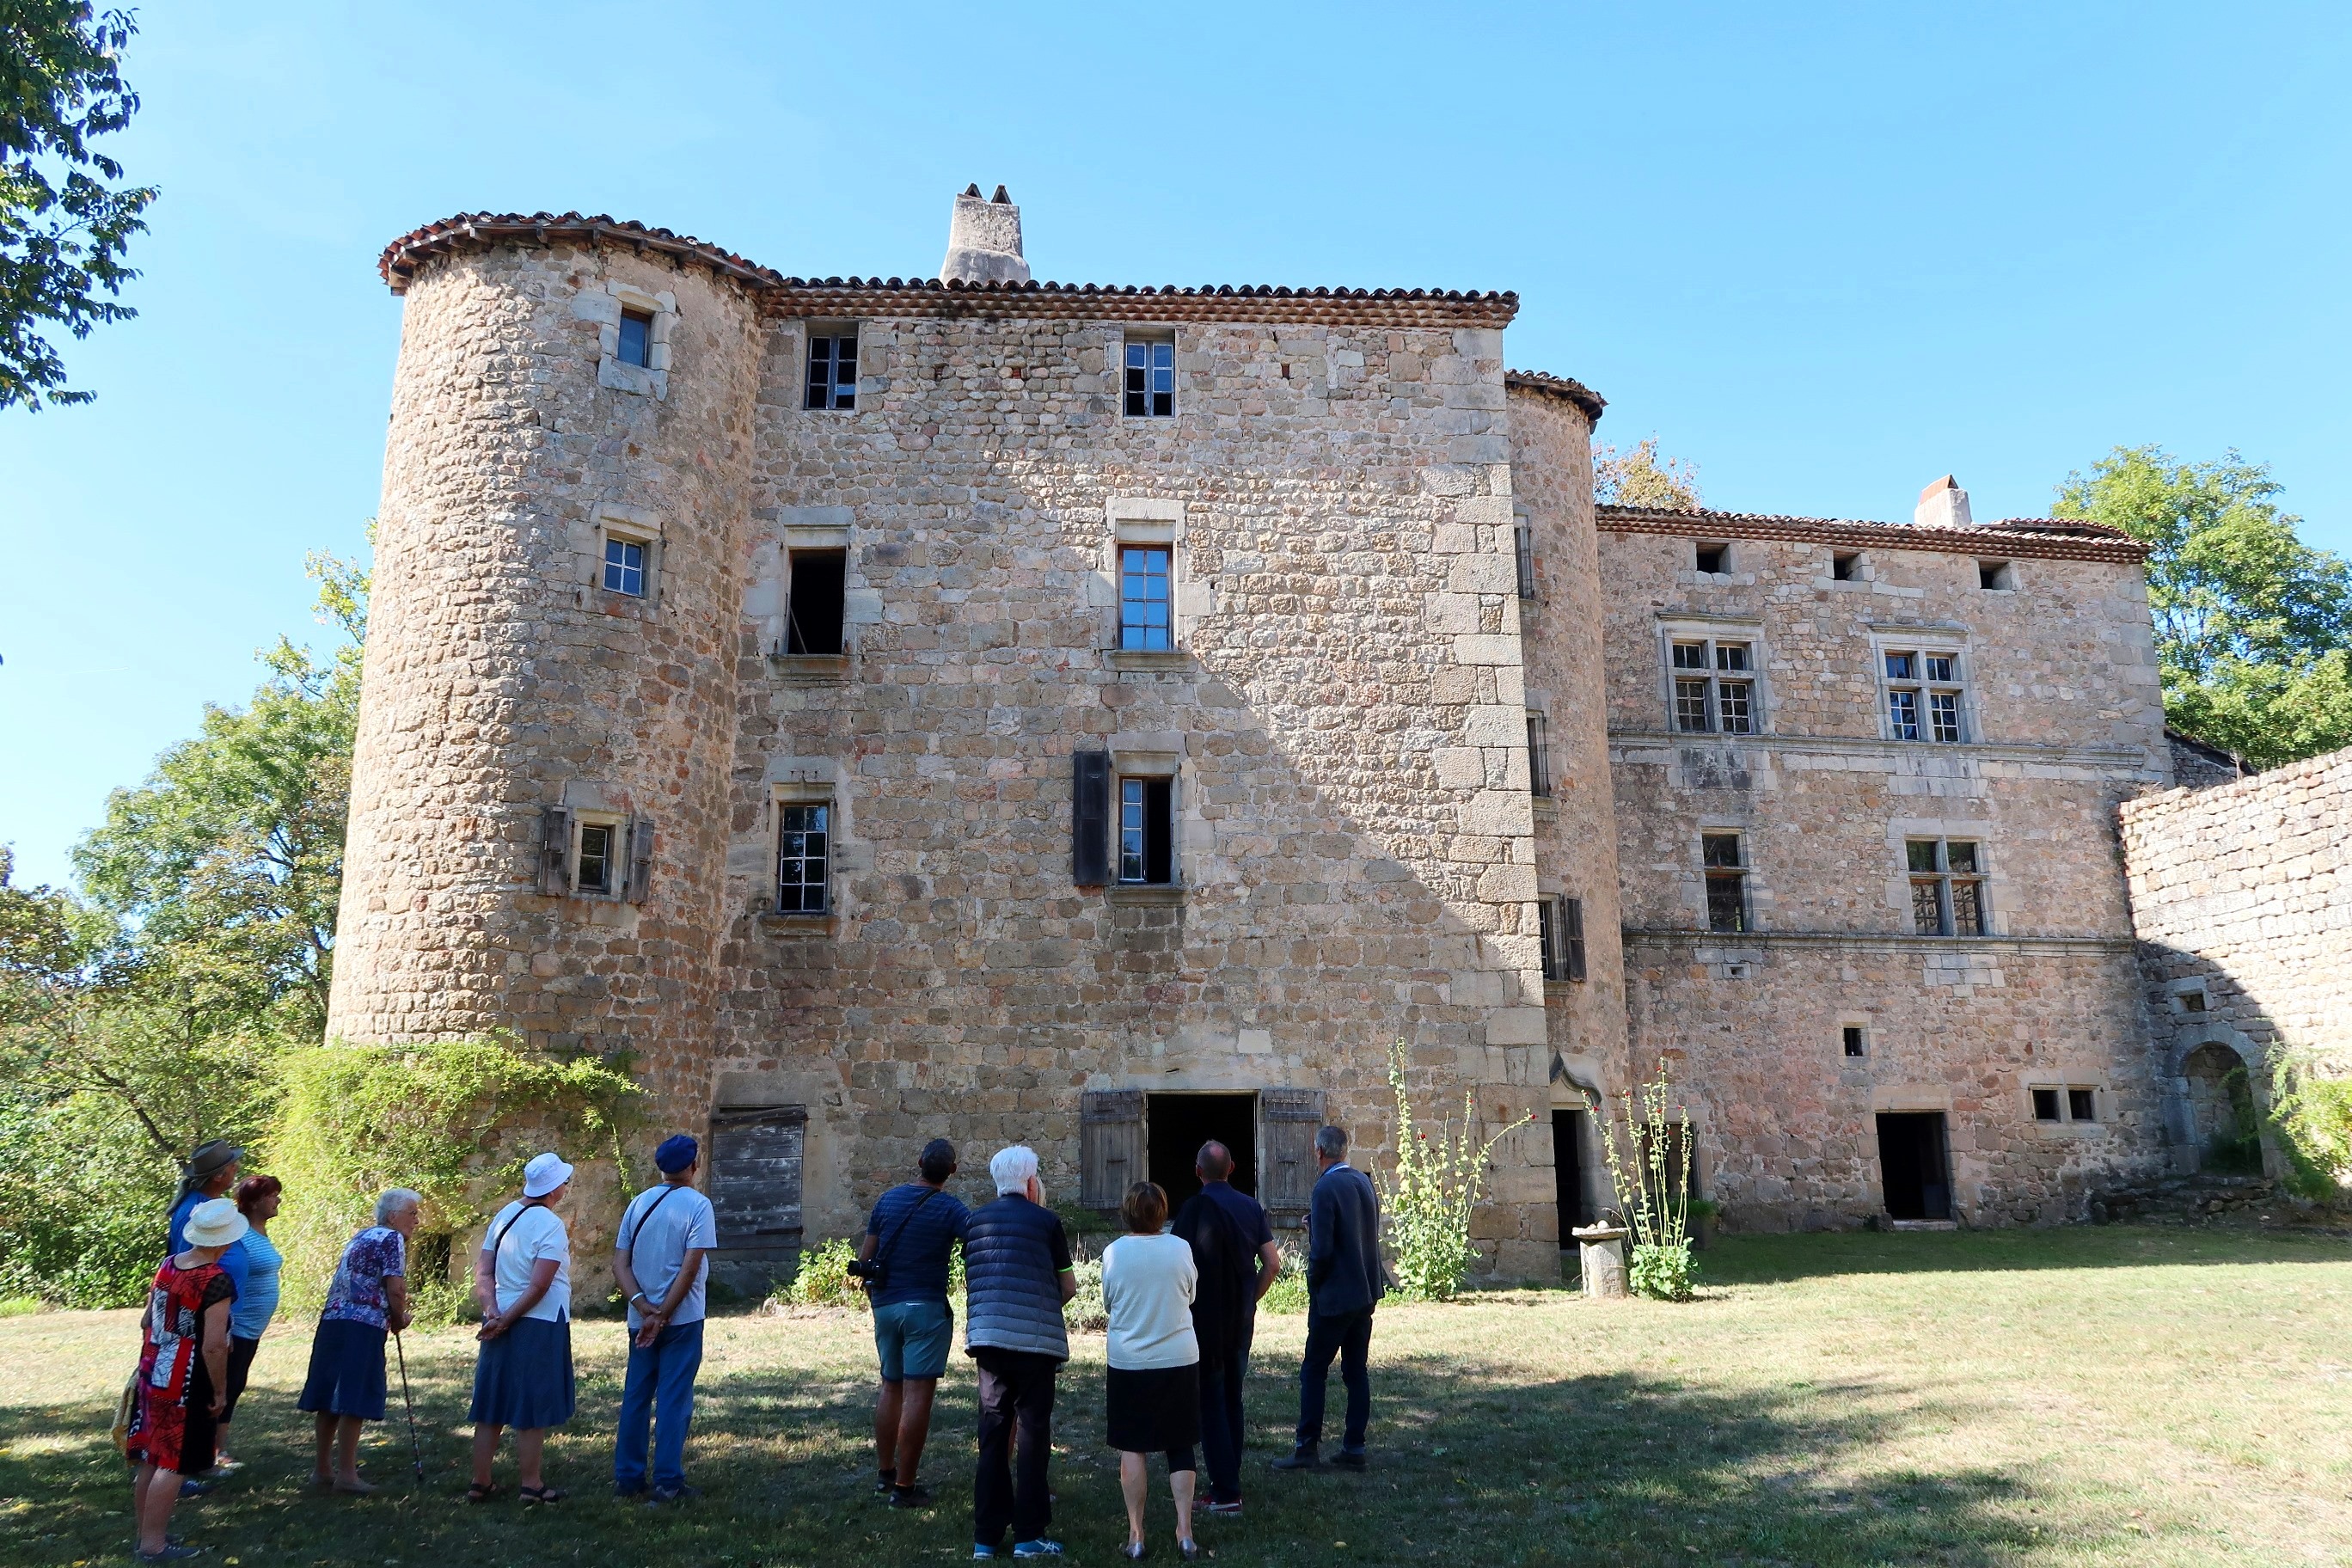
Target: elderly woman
522 1278
182 1373
258 1198
1154 1394
367 1300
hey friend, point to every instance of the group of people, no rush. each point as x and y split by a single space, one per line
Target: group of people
1180 1300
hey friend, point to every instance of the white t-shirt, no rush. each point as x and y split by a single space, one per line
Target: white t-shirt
1148 1282
537 1234
681 1221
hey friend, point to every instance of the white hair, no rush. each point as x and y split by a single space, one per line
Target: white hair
392 1200
1013 1167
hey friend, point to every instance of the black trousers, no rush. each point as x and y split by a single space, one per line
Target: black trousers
1348 1336
1009 1488
1221 1419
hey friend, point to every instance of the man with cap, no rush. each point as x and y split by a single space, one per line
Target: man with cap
667 1232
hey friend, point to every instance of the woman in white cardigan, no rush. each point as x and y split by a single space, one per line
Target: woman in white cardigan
1154 1397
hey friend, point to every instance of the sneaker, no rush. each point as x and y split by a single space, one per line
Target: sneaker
195 1487
883 1481
1041 1547
1349 1459
169 1554
1222 1509
678 1493
1303 1457
980 1552
916 1496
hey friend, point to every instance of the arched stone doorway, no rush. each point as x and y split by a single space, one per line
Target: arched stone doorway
2222 1123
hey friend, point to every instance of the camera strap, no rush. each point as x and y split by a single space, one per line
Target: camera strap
882 1256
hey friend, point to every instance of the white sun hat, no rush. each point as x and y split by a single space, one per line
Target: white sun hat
216 1223
544 1174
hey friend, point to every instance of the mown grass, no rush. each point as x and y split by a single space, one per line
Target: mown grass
2124 1395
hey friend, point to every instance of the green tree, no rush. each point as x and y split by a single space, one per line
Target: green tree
66 215
2252 624
1641 477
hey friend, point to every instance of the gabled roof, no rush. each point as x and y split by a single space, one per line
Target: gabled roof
2056 538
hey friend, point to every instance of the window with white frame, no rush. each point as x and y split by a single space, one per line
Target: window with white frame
624 566
803 857
1923 692
1147 830
1715 686
832 369
1723 861
1143 597
596 859
1150 378
1948 883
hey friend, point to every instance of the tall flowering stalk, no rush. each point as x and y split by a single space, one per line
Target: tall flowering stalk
1653 1186
1438 1183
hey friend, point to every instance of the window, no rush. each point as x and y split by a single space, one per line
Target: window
2192 1000
1147 821
624 566
1946 887
1143 597
1854 1039
1711 558
831 371
594 863
2045 1105
1727 881
1715 688
2082 1105
1538 756
2070 1104
1922 695
1845 568
1559 926
637 344
1523 539
1150 378
804 834
1996 575
813 609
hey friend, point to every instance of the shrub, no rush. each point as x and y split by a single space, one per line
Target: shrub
2311 1118
1288 1292
1657 1207
1436 1187
824 1280
1085 1312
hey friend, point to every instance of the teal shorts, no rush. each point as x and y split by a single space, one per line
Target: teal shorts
914 1339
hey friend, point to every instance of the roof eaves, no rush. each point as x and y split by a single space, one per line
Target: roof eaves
1560 387
2045 538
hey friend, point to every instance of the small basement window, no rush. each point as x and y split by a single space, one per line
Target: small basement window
813 610
1854 1039
1712 558
2045 1105
1147 830
2082 1105
625 567
832 370
2192 1000
1150 378
637 344
1996 575
1845 568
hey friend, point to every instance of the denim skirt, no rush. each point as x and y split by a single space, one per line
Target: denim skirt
524 1376
346 1370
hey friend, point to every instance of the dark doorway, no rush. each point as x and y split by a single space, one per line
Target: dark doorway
1568 1138
1913 1165
814 611
1176 1125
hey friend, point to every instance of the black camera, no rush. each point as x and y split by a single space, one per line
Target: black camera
868 1269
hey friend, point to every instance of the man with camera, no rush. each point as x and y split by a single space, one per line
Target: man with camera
904 1262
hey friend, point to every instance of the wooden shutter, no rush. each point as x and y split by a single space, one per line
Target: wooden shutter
556 851
755 1174
1285 1165
1110 1145
641 857
1572 917
1090 818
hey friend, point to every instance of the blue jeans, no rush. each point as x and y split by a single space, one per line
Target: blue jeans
659 1396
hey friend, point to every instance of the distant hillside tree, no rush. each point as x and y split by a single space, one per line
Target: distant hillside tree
1640 478
66 215
2252 624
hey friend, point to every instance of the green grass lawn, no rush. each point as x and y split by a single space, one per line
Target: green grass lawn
2119 1395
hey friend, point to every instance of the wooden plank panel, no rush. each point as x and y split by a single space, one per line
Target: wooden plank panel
755 1174
1286 1163
1110 1145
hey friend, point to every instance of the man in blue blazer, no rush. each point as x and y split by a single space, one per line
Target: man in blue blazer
1344 1282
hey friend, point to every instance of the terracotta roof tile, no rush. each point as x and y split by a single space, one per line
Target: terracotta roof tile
2046 538
1544 382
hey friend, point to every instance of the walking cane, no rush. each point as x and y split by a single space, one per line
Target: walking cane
415 1445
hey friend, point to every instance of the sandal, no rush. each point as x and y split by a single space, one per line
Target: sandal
481 1491
538 1494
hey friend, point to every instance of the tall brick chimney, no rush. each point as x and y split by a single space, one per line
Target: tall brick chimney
984 240
1942 505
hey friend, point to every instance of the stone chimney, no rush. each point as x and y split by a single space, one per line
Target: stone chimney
1942 505
984 240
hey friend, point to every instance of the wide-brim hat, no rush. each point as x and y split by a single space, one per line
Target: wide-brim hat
216 1223
218 1154
544 1174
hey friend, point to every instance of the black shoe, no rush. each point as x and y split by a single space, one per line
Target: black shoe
883 1481
1349 1459
1303 1457
678 1493
916 1496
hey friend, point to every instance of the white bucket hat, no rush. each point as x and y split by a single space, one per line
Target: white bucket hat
216 1223
544 1174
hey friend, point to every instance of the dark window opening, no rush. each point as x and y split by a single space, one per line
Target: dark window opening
1913 1167
1176 1125
2082 1105
1147 822
1150 379
833 372
595 860
1712 558
1843 567
1523 537
2045 1105
1144 621
813 613
1538 756
637 345
2192 1000
1727 882
1995 574
1567 1136
1854 1039
803 841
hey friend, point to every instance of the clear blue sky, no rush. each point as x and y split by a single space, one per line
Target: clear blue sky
1828 253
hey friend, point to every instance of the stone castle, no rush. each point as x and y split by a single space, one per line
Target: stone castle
1108 717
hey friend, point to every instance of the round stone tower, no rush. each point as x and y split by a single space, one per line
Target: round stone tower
539 793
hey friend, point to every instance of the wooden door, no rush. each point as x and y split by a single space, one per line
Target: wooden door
1110 1145
1286 1153
755 1174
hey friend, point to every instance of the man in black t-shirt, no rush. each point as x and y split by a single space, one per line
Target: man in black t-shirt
1233 1248
911 1231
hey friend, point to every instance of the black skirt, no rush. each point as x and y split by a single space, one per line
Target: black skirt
1153 1409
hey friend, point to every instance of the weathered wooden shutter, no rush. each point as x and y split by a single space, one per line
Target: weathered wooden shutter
755 1174
1572 917
1090 818
1110 1145
556 851
1286 1163
641 857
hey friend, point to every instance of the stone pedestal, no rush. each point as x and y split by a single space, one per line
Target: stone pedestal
1601 1259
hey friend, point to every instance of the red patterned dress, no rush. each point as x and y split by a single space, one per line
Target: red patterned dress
172 1427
